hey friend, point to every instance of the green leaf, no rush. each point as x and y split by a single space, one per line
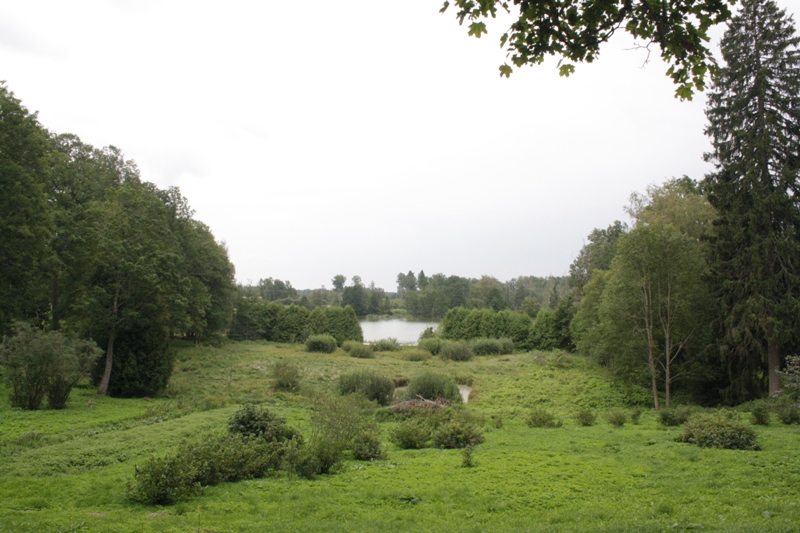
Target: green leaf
477 28
566 69
444 6
505 70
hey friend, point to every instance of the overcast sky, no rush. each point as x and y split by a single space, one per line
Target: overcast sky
364 137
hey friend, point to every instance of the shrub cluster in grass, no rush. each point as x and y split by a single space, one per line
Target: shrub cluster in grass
286 376
256 421
321 344
42 364
271 321
456 351
367 446
760 413
585 417
434 386
674 416
542 418
349 345
445 429
372 385
415 355
636 414
487 346
616 417
362 351
788 412
722 429
386 345
433 345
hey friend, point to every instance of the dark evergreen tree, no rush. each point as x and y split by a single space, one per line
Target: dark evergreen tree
754 124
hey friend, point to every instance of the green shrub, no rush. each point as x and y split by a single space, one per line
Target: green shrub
616 417
411 434
434 386
674 416
456 433
42 364
486 346
468 457
386 345
349 345
163 481
788 412
433 345
586 417
374 386
456 351
760 414
416 355
636 414
321 344
286 375
722 429
428 333
542 418
367 447
255 421
362 352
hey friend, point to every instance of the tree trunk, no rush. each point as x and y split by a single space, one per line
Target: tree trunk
773 364
103 388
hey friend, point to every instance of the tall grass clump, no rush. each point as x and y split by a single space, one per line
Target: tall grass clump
434 386
585 417
433 344
321 344
722 429
542 418
456 351
416 355
362 351
372 385
386 345
487 346
286 376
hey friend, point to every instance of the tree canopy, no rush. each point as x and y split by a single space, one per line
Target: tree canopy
574 31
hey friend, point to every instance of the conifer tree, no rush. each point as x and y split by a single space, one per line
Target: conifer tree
753 116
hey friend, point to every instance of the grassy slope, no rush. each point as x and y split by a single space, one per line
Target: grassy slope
600 478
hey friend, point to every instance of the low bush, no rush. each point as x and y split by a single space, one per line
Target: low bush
428 333
321 344
386 345
542 418
722 429
256 421
457 433
674 416
468 457
362 352
374 386
349 345
788 412
166 480
585 417
760 414
456 351
433 344
616 417
286 376
434 386
367 447
416 355
486 346
411 434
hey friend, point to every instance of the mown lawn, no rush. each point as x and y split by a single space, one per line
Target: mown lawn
71 475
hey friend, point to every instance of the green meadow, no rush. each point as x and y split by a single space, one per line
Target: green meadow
68 470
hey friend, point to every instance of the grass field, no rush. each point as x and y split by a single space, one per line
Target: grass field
65 471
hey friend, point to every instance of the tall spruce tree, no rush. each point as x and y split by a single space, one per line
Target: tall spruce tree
753 116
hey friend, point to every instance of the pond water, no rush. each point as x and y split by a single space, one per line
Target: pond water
405 331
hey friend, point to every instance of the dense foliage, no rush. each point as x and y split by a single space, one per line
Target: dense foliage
256 319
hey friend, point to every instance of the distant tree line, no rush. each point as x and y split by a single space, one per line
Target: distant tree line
89 248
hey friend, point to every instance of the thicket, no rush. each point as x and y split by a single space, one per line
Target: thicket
722 429
456 351
362 351
253 420
386 345
257 319
41 365
441 428
487 346
539 417
321 344
372 385
286 375
434 386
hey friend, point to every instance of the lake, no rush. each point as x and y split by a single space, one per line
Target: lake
405 331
